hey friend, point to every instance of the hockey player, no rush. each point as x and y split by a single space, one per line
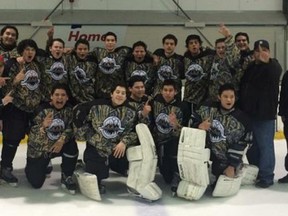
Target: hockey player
7 99
221 71
107 126
168 119
52 136
110 62
228 132
197 66
24 85
139 100
82 73
140 63
55 67
169 65
8 42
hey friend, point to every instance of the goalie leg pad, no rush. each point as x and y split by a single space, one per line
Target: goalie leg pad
88 184
249 174
142 166
193 157
190 191
226 186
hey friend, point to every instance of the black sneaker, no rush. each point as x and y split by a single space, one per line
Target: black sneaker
48 170
263 184
7 176
283 180
68 183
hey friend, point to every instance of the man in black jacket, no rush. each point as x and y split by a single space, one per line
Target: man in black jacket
259 99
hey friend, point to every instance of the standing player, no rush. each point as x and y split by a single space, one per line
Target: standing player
140 63
110 62
24 85
8 42
169 65
82 73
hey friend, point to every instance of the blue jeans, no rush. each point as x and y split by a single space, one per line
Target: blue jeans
262 152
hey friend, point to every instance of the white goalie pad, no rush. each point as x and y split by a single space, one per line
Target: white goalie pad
88 184
193 157
142 166
249 174
190 191
226 186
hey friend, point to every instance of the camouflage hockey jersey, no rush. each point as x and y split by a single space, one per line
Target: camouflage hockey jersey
82 78
103 126
110 69
144 69
238 60
55 72
27 93
8 52
197 73
162 130
168 68
41 140
138 106
229 135
220 73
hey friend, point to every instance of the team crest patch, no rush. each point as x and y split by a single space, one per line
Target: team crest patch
194 73
31 80
111 127
108 65
162 123
166 72
57 71
55 130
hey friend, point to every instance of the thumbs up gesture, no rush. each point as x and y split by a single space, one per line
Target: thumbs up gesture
205 125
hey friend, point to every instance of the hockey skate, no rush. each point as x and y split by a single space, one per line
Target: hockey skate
49 170
134 193
174 184
68 184
7 176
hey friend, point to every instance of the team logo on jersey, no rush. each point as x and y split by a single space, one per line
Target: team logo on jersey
166 72
162 123
57 71
194 73
141 73
31 80
216 132
80 75
111 127
55 130
214 71
108 65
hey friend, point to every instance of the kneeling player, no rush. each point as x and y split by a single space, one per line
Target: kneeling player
51 136
228 135
107 125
